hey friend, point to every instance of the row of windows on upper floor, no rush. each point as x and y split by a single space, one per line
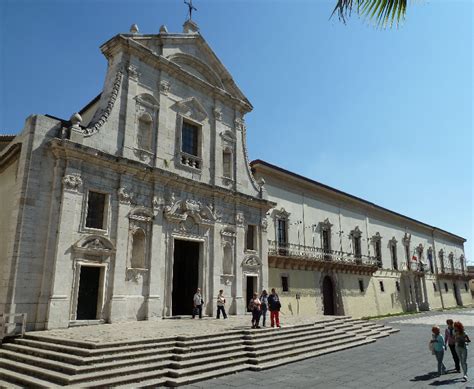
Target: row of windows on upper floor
190 140
355 237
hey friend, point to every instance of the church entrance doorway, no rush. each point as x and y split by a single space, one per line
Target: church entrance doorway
185 276
251 288
88 294
328 296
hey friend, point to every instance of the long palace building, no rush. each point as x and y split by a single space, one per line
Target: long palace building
147 193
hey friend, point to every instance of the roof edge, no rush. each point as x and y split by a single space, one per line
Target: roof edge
340 192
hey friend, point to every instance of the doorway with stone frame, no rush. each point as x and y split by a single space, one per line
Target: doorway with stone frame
251 286
186 264
89 291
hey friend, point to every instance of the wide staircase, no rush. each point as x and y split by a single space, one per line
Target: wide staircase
35 361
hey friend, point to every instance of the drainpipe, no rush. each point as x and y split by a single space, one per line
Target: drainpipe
436 269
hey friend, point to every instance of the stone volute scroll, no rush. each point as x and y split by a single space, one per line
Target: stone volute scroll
180 210
191 108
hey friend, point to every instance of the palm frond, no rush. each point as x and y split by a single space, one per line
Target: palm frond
383 12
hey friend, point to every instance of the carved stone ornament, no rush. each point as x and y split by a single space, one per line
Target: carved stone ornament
227 279
157 202
264 223
135 275
182 209
239 219
132 71
165 87
125 196
376 237
217 114
94 245
228 232
239 124
406 239
72 182
356 232
144 155
251 262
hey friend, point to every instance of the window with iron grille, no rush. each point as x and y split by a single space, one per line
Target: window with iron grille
378 252
189 138
284 284
393 250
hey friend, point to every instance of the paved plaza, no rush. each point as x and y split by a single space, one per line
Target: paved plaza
399 361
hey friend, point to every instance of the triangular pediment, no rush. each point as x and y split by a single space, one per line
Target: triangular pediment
191 108
193 55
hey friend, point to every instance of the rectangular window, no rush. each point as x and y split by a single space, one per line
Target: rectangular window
465 287
189 139
357 247
284 284
281 232
378 253
430 260
227 164
382 288
446 287
397 286
361 286
96 207
393 249
326 246
250 237
407 253
434 287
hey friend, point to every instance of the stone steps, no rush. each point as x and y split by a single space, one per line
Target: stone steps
38 361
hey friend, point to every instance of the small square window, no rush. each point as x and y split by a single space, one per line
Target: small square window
434 287
446 287
284 284
382 288
397 286
96 210
361 286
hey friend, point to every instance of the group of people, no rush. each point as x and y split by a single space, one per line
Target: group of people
456 339
260 305
257 305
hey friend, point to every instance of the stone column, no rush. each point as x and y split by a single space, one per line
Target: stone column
59 302
118 303
239 299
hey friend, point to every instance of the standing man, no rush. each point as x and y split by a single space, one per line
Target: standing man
221 305
197 303
274 305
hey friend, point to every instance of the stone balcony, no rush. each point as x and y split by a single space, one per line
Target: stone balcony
299 257
454 274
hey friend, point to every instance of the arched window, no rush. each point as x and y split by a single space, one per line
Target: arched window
227 260
138 249
145 123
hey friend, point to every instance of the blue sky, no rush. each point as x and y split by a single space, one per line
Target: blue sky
385 115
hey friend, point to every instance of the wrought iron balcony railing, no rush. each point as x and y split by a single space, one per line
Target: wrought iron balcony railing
319 254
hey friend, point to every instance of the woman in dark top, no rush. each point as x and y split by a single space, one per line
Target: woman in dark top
461 341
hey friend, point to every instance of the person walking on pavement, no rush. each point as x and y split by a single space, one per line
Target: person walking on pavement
438 347
255 306
221 305
449 340
264 306
197 303
274 305
461 341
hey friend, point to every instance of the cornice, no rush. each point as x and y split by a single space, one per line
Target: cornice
65 149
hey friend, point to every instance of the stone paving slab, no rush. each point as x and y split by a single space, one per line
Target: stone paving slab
465 316
165 328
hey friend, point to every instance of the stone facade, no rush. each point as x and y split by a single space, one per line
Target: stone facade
397 264
146 193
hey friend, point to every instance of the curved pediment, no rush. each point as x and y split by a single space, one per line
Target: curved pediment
197 67
94 245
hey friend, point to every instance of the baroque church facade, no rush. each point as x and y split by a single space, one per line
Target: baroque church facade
147 193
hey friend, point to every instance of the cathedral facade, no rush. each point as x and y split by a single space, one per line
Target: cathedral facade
124 210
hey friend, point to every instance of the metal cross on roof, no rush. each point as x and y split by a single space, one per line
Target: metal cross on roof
191 7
